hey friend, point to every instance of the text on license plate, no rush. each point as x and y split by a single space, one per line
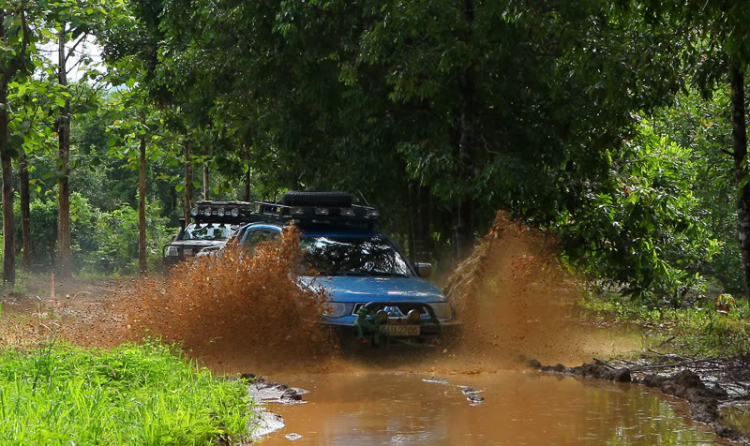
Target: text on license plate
401 330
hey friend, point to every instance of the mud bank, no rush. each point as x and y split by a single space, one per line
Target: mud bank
686 384
263 392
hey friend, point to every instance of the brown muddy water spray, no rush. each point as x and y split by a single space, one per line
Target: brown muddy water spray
240 313
233 311
519 302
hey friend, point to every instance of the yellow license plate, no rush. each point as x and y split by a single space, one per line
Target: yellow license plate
400 330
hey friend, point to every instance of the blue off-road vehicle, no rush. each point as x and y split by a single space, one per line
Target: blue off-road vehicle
375 293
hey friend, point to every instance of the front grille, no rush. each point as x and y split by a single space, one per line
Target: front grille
404 308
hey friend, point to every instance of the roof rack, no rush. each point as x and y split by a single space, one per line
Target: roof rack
319 208
224 212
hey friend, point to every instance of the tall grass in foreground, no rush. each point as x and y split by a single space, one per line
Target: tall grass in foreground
133 395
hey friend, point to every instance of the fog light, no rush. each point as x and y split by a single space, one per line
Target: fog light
413 316
382 316
235 212
207 212
220 212
335 309
194 212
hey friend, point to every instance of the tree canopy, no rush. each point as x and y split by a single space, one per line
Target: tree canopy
606 123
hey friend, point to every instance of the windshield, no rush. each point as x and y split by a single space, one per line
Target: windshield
353 256
206 231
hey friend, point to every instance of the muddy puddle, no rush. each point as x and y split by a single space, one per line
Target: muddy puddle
518 408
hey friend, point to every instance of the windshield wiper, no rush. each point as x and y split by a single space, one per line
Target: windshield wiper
361 273
355 273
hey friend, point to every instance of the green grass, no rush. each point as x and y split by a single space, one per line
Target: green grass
132 395
699 331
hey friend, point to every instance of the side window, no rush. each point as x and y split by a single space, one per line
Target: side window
253 238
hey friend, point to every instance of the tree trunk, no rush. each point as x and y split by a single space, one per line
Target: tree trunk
63 132
9 227
206 184
247 186
463 232
23 174
463 209
142 261
423 241
206 176
411 221
188 182
247 174
739 134
6 151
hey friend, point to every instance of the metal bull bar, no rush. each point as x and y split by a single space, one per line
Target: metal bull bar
369 321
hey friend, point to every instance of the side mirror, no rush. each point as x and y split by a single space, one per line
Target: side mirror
424 270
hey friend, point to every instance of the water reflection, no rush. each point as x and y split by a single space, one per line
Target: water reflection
520 409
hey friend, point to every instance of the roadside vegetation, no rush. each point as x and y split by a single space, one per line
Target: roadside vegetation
708 327
147 394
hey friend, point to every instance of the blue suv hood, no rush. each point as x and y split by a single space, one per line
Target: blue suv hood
348 289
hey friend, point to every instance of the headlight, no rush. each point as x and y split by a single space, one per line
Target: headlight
335 309
442 310
172 251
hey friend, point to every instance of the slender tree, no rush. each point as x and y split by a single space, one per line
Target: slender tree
142 172
15 36
23 180
63 132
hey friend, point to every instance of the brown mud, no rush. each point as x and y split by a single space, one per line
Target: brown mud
517 301
223 310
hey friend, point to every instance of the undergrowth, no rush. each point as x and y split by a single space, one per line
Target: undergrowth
146 394
701 330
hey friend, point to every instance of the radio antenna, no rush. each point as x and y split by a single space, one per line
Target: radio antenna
363 198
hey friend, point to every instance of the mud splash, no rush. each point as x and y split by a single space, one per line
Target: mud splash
229 308
238 314
517 301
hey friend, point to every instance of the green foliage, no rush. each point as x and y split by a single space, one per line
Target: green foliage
704 127
104 242
421 107
642 228
115 238
698 329
134 394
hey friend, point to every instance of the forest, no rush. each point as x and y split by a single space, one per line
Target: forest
618 127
